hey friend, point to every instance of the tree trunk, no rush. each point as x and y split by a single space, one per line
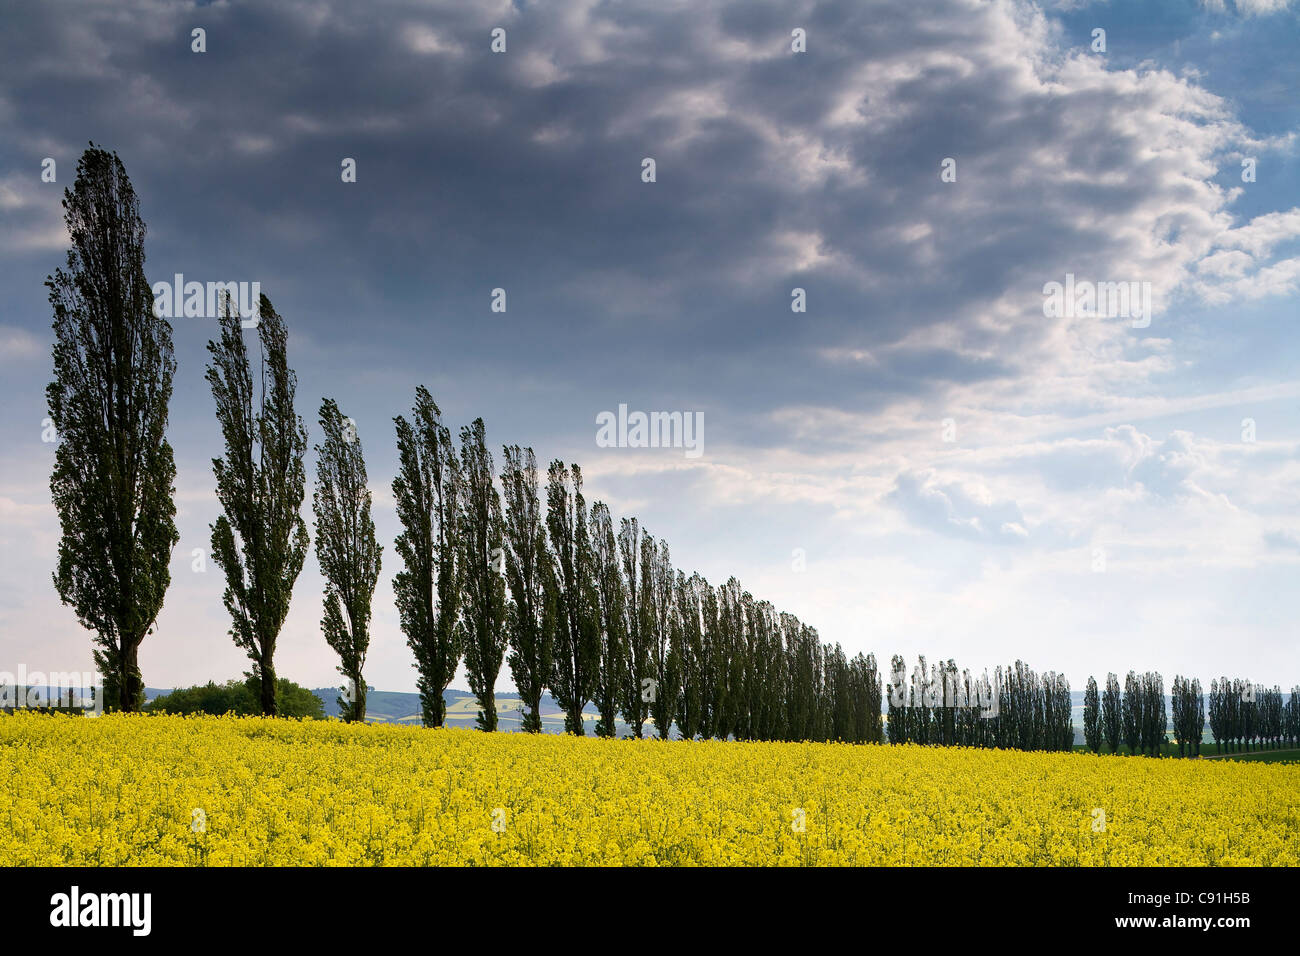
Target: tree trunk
535 714
128 664
266 671
359 699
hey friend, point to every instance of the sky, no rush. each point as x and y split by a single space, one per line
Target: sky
927 459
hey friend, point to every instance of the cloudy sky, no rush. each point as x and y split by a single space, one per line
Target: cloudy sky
923 461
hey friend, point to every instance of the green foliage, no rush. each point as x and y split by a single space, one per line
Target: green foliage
112 482
577 635
347 551
260 539
1112 716
1189 715
636 667
239 697
1243 714
611 664
1132 712
427 492
484 593
533 616
688 594
665 641
1092 716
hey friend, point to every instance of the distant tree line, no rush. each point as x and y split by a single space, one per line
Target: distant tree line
1240 713
531 577
1017 709
1137 717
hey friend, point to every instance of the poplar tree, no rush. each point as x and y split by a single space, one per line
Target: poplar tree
1180 693
427 492
1111 713
690 705
733 717
611 665
1197 720
899 711
347 551
577 650
112 482
841 697
1134 712
637 657
1246 709
1218 729
1232 693
665 638
260 539
1092 716
532 618
760 654
482 553
1154 716
709 667
1291 717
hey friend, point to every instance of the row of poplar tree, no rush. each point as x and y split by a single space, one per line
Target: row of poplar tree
1243 713
526 576
549 587
1017 709
1240 714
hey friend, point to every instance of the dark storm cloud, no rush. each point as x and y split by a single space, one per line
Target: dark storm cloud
522 171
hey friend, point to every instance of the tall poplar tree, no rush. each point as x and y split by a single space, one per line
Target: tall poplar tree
734 714
665 661
1092 716
1196 720
1179 693
611 661
347 551
577 647
427 491
1134 712
112 483
637 657
532 618
260 539
1111 713
482 558
690 709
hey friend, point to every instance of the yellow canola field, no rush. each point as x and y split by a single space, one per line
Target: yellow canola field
126 790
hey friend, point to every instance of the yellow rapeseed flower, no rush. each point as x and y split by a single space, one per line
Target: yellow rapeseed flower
154 790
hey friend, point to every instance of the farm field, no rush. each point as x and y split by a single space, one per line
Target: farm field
150 790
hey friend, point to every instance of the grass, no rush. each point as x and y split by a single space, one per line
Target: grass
1260 756
1209 752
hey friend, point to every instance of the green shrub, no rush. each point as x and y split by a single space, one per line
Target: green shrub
239 697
